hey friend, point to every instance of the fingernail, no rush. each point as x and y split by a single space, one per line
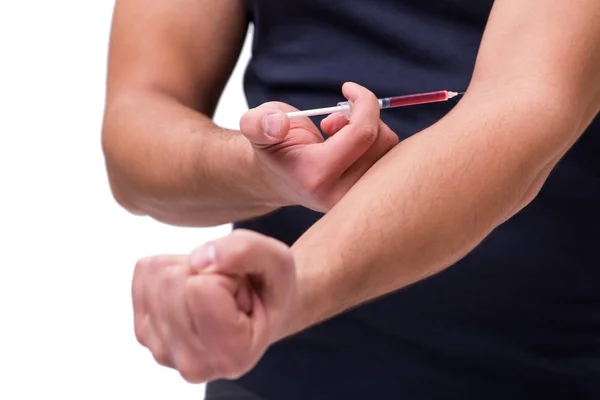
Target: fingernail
203 256
272 125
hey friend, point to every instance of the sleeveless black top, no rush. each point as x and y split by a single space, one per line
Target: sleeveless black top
519 317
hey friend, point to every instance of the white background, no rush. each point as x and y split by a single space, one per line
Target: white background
67 251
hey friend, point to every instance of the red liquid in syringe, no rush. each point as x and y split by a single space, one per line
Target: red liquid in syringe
421 98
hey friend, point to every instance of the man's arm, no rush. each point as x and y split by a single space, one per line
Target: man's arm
437 195
169 61
168 64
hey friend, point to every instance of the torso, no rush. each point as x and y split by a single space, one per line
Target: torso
517 318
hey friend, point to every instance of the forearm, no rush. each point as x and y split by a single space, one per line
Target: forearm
174 164
430 201
436 196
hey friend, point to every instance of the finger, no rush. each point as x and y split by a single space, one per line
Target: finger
161 261
167 318
194 357
183 345
266 124
246 253
193 371
140 321
172 310
157 347
144 269
203 258
386 140
211 305
160 332
353 140
144 275
223 329
243 296
333 123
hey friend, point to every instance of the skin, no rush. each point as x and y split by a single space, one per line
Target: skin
420 208
164 155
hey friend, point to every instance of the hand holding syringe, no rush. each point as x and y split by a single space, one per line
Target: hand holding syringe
388 102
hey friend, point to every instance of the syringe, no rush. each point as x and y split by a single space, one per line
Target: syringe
387 102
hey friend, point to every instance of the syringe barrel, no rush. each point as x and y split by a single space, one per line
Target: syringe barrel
408 100
412 99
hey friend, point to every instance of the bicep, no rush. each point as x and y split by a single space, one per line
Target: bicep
544 48
182 48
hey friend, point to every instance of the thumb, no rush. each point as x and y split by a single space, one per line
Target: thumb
239 254
265 125
203 257
244 254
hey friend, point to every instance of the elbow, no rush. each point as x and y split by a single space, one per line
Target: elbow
120 186
123 197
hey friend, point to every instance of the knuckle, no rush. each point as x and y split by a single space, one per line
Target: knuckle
219 368
316 183
391 140
169 277
229 367
284 273
138 295
136 291
140 337
192 372
367 97
239 361
144 264
367 133
234 375
284 258
240 251
161 356
271 105
159 351
288 261
193 375
370 96
140 332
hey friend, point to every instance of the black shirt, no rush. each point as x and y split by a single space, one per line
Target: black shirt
519 317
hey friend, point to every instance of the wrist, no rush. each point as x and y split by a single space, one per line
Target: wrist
308 306
247 175
268 186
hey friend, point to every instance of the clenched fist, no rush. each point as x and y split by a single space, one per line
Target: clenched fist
212 314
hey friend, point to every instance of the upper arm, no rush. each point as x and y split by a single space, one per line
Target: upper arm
545 50
182 48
